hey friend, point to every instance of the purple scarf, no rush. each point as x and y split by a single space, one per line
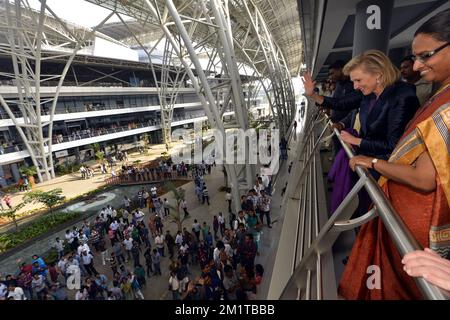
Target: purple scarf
342 176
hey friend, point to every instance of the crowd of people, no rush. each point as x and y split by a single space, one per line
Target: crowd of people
153 171
117 252
397 122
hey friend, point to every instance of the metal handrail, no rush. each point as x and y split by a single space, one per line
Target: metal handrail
312 244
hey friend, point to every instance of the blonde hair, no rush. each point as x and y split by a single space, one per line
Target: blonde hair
375 62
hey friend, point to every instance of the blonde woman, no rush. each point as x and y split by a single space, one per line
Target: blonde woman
385 107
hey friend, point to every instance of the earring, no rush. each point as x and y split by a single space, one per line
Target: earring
378 81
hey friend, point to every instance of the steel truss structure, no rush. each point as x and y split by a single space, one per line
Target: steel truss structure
27 37
234 37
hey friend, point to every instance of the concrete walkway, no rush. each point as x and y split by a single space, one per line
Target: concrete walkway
72 185
157 285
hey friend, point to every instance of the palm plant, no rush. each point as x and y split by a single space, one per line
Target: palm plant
179 195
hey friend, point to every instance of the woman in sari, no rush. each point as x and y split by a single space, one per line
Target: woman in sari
416 179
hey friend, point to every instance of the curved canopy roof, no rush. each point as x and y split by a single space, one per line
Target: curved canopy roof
281 17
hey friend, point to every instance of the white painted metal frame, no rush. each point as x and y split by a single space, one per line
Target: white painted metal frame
28 36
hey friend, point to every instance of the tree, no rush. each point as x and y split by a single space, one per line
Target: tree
100 156
48 198
96 147
146 139
28 172
11 214
179 195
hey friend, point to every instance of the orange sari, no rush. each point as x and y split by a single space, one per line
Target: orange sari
427 216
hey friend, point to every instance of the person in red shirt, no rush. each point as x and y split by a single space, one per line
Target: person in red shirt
53 272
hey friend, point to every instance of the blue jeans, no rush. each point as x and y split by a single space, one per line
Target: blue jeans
175 295
157 267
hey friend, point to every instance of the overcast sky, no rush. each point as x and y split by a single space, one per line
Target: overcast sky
80 12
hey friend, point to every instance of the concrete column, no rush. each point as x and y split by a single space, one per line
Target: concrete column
77 154
15 172
372 25
2 177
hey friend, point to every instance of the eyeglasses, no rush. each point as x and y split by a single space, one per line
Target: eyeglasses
427 55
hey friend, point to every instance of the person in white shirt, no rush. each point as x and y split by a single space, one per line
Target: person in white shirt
108 211
241 218
83 247
139 216
197 227
81 294
62 266
184 247
126 203
38 285
3 291
159 243
82 238
157 204
69 237
125 214
166 207
220 246
221 221
114 225
264 203
128 243
153 192
179 239
59 246
174 286
228 198
184 207
266 181
183 284
88 263
16 293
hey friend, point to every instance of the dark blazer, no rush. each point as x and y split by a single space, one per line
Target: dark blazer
343 88
384 125
350 101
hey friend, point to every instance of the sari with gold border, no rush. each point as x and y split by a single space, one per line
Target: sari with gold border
427 215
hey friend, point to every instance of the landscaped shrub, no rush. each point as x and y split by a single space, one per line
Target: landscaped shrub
11 189
38 227
62 169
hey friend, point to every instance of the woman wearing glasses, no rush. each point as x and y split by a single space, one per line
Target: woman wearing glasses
416 179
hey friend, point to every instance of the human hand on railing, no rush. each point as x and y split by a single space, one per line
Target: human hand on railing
360 161
308 84
429 265
324 110
350 139
337 125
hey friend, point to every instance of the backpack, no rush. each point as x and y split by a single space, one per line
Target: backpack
135 284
